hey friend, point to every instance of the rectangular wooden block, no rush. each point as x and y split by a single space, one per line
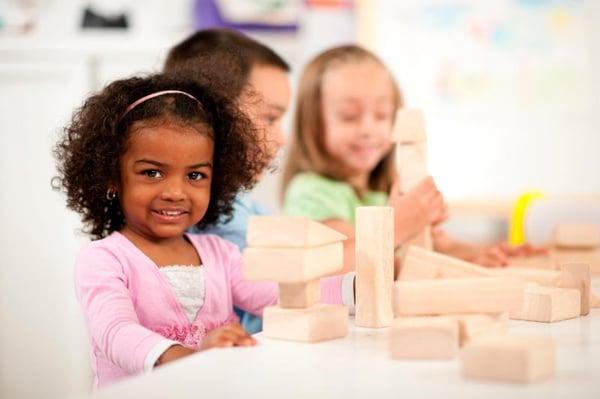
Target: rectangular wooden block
509 358
289 232
451 296
292 265
577 235
476 326
570 255
545 277
577 275
317 323
374 266
299 295
424 338
546 304
419 263
409 126
534 262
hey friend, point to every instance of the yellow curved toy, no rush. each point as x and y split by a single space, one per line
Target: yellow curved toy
516 234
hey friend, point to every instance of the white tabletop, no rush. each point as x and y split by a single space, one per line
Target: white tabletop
359 365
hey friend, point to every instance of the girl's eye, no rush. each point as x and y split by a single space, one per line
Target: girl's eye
153 173
195 176
349 117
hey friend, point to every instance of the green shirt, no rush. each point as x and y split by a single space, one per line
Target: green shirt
320 198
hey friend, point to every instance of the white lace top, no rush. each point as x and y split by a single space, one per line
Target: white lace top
188 286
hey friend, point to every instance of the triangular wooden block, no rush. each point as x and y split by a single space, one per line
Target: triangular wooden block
409 126
289 232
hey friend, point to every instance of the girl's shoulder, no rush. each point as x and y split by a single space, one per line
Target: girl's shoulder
212 244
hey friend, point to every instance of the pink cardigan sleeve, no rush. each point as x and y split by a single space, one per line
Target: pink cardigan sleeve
101 288
254 296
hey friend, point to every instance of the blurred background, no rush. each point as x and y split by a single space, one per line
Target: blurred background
509 88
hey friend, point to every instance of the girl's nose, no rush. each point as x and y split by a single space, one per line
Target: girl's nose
173 191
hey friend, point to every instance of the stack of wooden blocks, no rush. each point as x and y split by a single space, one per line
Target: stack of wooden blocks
442 304
296 252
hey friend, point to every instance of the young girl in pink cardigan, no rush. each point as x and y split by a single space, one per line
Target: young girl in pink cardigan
143 161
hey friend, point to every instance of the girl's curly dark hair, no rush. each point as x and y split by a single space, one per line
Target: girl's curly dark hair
89 151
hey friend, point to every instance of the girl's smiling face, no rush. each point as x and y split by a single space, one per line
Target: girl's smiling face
358 111
165 181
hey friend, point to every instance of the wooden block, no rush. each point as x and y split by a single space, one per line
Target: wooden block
451 296
589 256
292 265
409 126
374 266
546 304
317 323
594 300
476 326
534 262
299 295
289 232
509 358
545 277
577 275
424 338
577 235
419 263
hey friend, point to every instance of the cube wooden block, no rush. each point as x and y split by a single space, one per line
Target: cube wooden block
546 304
577 235
419 263
299 295
292 265
452 296
424 338
476 326
374 266
577 275
317 323
289 232
509 358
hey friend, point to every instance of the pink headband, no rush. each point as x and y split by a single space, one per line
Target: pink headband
157 94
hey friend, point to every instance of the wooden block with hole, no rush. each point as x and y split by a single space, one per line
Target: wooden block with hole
577 275
476 326
509 358
289 232
424 338
548 304
577 235
299 295
317 323
292 265
374 245
419 263
455 296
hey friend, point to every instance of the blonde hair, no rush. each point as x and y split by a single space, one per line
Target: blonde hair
307 151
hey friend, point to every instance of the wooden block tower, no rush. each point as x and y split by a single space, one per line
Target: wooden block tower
411 159
295 252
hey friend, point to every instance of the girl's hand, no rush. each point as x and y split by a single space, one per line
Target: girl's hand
232 334
423 205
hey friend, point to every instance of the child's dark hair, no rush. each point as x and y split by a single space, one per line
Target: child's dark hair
225 56
88 154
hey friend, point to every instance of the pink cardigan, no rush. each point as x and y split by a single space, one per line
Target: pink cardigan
130 308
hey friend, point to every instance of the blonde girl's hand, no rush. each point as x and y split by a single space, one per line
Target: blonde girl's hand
423 205
229 335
